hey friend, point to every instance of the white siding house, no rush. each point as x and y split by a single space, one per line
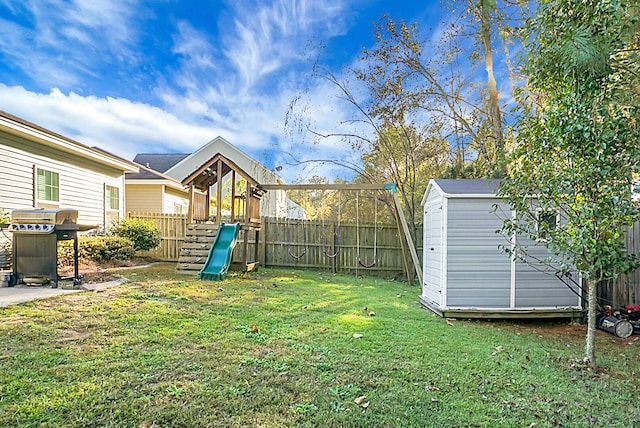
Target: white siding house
40 168
467 274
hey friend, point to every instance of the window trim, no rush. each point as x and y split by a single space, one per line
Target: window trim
110 214
542 214
109 197
40 202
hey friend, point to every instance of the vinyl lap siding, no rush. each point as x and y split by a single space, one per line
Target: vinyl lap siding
144 198
16 179
173 198
537 286
479 273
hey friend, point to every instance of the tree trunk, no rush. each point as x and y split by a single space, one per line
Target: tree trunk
486 7
592 309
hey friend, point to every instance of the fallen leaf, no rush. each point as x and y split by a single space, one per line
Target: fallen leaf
365 405
499 348
360 400
357 335
372 314
365 309
254 329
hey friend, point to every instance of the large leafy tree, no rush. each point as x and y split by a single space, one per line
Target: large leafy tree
578 144
415 112
436 83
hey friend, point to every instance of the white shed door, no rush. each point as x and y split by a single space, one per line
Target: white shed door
432 251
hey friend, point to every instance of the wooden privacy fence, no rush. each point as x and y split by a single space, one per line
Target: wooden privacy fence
626 288
301 244
172 231
335 247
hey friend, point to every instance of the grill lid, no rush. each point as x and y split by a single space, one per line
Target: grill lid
44 216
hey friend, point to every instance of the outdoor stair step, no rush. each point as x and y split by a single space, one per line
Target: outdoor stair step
197 245
196 252
199 239
193 259
202 232
201 225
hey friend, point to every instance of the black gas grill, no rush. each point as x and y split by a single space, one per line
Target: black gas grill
36 233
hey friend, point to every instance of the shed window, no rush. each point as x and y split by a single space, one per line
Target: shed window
547 222
47 186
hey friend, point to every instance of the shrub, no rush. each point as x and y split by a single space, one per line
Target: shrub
5 216
97 249
143 233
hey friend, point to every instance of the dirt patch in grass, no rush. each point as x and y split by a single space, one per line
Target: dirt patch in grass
94 272
566 332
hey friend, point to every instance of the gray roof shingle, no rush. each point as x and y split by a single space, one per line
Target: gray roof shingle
159 162
469 187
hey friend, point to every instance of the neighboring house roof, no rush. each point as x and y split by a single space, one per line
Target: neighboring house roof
219 145
17 126
464 188
159 162
151 176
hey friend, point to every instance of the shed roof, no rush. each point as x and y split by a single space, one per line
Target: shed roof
469 187
463 188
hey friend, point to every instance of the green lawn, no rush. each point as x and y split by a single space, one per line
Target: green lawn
276 348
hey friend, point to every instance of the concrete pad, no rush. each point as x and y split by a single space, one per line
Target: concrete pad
25 293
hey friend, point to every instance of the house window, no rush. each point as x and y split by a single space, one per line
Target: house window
112 205
47 187
178 208
546 223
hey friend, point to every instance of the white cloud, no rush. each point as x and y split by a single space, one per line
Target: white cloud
114 124
57 42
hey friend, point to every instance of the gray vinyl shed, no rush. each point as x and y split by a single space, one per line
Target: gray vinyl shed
465 272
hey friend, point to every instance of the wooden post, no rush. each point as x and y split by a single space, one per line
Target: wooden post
403 248
336 247
405 227
219 197
233 196
191 204
207 208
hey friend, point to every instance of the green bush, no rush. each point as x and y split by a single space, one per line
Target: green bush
97 249
5 216
143 233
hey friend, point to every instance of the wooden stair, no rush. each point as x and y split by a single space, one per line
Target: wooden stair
197 244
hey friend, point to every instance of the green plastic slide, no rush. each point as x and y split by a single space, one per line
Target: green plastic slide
219 259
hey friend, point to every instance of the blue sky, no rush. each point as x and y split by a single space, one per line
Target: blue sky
163 76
